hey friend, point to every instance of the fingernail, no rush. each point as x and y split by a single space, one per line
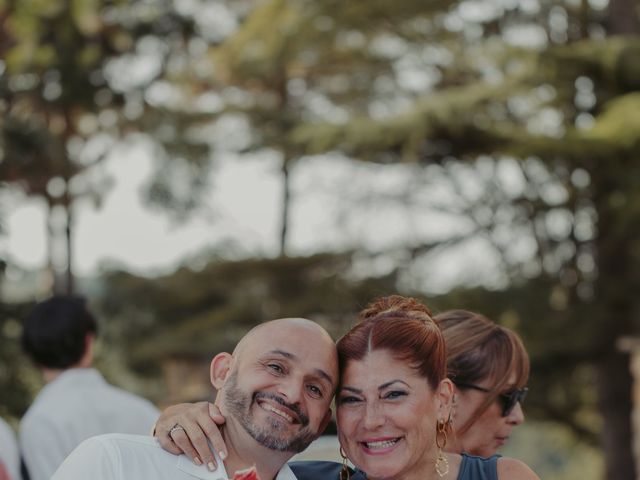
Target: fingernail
211 466
197 461
222 454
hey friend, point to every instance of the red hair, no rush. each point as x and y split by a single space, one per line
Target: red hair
404 327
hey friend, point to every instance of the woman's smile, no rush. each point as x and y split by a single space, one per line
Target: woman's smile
380 446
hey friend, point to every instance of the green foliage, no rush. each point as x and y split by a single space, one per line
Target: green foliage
619 124
198 313
551 451
18 378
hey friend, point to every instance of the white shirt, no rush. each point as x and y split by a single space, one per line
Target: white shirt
9 455
137 457
77 405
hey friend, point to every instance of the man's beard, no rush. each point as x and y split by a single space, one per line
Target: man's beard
239 406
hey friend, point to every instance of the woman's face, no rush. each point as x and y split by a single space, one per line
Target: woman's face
491 430
387 416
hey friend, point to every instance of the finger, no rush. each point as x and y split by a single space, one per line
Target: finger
182 439
215 414
167 443
213 433
170 416
198 439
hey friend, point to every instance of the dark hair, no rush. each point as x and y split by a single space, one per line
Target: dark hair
405 328
54 333
479 350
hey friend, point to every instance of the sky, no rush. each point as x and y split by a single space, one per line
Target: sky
124 231
337 204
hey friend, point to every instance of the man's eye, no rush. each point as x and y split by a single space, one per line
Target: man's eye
315 391
275 367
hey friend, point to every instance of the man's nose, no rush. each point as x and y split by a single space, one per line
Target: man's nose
291 390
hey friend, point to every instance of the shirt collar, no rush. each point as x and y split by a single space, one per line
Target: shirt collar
75 375
201 471
286 473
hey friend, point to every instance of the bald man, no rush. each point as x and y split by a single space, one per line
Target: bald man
275 391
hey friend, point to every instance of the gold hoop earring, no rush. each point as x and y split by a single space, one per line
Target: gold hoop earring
442 464
344 471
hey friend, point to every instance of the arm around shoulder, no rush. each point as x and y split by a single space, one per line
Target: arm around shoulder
512 469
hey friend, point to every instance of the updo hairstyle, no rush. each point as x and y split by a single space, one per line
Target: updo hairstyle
405 328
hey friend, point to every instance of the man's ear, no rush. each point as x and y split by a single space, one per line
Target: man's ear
89 345
220 369
325 421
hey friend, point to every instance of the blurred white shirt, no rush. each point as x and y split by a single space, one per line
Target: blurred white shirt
9 455
137 457
77 405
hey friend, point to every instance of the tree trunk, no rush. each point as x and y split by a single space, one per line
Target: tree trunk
69 269
614 401
614 313
584 19
49 233
285 206
615 262
623 17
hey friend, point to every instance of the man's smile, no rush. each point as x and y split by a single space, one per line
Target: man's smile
279 411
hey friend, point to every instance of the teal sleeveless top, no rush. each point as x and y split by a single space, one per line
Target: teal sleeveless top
478 468
471 468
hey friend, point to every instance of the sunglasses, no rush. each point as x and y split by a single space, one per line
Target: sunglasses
507 399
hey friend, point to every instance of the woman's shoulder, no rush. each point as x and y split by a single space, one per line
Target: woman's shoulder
495 467
478 468
321 470
511 468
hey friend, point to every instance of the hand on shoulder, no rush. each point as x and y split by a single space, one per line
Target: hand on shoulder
512 469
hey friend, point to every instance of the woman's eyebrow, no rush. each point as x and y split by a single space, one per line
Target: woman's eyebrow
351 389
388 384
381 387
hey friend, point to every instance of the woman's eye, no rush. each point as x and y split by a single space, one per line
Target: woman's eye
395 394
348 399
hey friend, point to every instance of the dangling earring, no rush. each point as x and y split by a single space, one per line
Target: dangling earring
344 472
442 464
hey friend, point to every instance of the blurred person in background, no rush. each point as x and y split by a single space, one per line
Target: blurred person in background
76 403
9 454
489 368
484 413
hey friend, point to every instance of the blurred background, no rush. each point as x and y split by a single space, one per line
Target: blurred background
195 167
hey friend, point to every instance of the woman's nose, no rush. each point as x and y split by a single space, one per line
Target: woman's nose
516 417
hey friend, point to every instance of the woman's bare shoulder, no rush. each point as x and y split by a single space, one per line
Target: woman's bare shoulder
512 469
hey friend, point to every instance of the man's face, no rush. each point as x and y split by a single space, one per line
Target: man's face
280 388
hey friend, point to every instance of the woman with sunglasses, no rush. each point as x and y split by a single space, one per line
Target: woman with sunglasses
489 368
395 407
